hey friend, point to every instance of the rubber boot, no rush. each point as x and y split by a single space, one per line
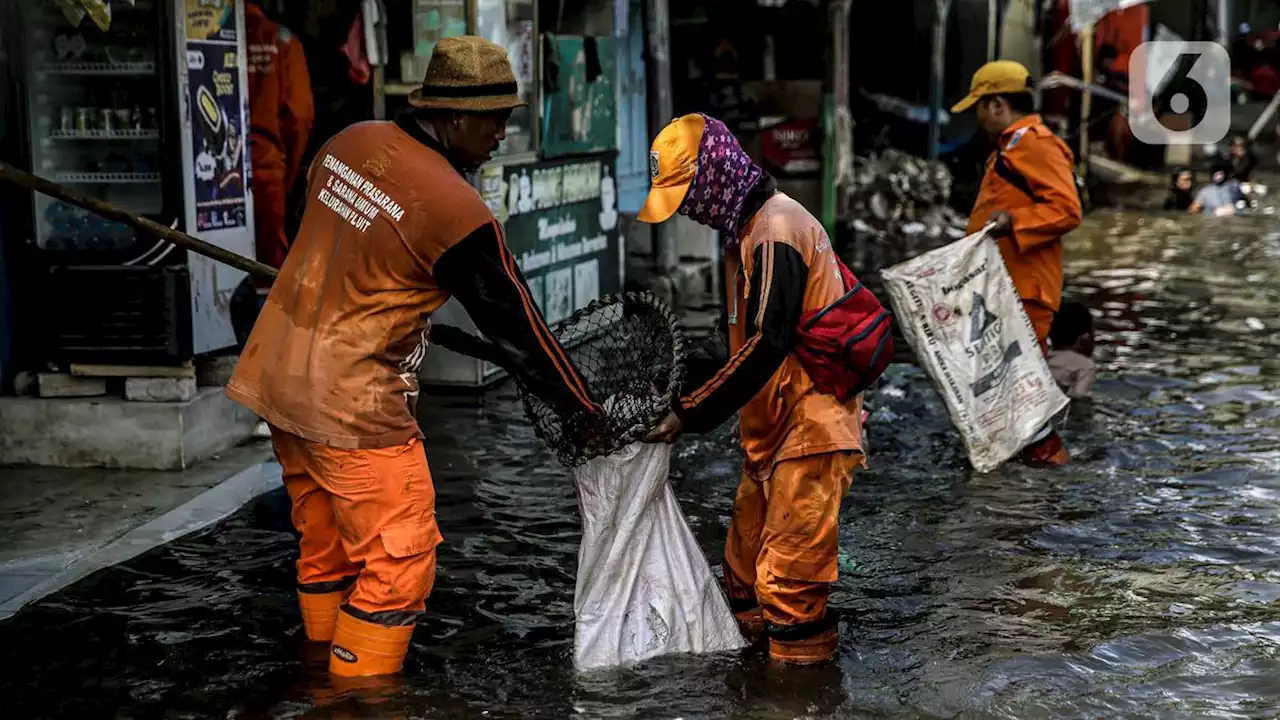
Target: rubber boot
320 613
362 649
751 623
811 650
811 643
1049 452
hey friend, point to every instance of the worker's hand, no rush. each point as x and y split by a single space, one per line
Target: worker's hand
667 431
1001 224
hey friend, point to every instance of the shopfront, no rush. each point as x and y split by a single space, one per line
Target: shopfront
554 182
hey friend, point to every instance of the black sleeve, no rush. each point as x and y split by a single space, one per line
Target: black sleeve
775 302
482 274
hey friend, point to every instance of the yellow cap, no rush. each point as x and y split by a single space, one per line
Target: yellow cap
673 161
994 78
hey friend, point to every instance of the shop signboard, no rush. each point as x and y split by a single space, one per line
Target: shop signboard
216 99
561 221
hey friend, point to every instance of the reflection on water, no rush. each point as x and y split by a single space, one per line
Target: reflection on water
1142 580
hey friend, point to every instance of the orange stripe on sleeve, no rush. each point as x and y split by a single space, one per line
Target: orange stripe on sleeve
724 373
541 331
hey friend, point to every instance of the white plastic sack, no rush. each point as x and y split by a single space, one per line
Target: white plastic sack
958 309
644 587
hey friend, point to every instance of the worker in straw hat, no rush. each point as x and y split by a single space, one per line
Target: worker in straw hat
391 230
1030 196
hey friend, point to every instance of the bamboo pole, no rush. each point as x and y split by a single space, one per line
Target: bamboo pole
137 222
1086 99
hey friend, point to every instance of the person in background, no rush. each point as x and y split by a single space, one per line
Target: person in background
1242 159
281 113
802 446
1029 196
1070 360
1181 190
1220 196
332 362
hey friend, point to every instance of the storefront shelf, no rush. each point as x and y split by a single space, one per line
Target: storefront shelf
81 68
107 178
105 134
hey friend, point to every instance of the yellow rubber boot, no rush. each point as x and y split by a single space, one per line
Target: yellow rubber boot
320 613
362 649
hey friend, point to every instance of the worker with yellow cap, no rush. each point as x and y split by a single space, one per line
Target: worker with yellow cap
1029 193
801 445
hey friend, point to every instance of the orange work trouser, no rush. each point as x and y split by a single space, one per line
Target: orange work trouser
367 514
269 195
1041 318
784 539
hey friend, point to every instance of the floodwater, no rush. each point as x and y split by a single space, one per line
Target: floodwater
1141 582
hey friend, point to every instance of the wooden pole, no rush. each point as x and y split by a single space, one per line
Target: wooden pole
137 222
446 336
657 21
943 11
993 28
1086 98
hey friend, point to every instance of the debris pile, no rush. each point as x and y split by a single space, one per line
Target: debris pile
898 209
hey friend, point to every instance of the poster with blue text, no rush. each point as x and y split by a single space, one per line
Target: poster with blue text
216 101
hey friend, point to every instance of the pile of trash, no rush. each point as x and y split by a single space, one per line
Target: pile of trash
897 209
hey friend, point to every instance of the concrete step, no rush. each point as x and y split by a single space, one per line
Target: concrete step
112 432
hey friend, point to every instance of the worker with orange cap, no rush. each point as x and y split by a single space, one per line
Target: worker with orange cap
801 445
281 113
1029 192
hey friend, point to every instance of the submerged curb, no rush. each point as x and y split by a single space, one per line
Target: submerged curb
201 511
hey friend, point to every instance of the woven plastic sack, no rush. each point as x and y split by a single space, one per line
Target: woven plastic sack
644 587
959 311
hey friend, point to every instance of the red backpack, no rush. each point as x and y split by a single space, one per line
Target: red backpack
848 344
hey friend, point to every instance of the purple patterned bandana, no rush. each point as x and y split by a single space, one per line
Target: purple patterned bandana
724 177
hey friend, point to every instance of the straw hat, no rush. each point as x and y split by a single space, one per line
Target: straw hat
470 74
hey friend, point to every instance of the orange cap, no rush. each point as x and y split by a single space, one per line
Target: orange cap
673 161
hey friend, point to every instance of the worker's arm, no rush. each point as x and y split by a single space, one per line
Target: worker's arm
297 107
482 274
1082 382
1056 208
775 302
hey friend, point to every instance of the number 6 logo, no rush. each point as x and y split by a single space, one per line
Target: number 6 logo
1180 93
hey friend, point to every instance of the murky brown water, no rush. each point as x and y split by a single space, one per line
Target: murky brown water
1140 582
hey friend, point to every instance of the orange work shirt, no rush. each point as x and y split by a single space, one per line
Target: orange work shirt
1033 251
391 230
281 106
788 418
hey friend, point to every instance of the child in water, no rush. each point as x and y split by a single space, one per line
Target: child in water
1071 336
1181 190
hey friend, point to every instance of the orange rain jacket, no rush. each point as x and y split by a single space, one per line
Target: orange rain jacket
281 108
1036 186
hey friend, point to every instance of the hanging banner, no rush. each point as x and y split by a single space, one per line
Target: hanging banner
216 98
562 226
1087 12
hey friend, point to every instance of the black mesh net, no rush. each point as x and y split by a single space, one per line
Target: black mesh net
629 350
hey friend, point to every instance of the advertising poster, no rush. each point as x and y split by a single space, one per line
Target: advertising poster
561 220
216 98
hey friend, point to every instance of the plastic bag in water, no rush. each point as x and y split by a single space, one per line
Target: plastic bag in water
960 312
644 587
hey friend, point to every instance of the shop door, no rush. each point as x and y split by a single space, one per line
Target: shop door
633 133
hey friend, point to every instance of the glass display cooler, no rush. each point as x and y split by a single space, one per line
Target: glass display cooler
150 114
